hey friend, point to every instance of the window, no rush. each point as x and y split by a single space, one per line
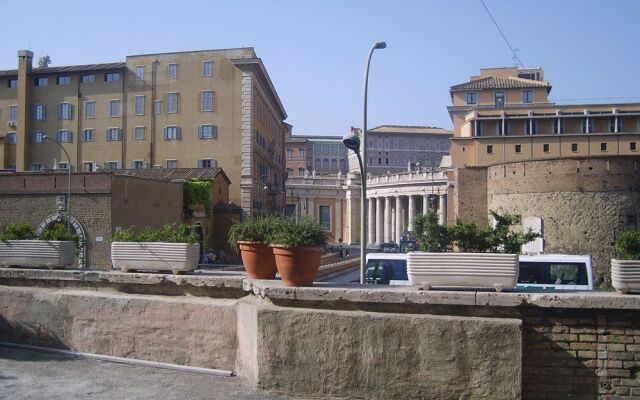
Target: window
207 68
207 101
39 112
207 163
113 134
171 133
172 164
207 131
88 166
498 99
289 172
114 108
13 113
140 72
37 166
63 136
558 126
139 106
301 171
530 126
574 147
157 107
172 102
518 148
11 138
587 125
603 147
64 111
12 83
42 81
62 165
112 77
63 80
137 164
87 135
89 109
301 151
112 165
615 124
172 71
139 132
502 127
37 137
472 98
527 96
87 78
489 149
545 148
325 216
289 152
632 146
342 164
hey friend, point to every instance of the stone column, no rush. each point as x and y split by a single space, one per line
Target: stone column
442 212
338 220
379 221
302 206
387 219
311 210
371 232
425 204
398 219
352 220
412 211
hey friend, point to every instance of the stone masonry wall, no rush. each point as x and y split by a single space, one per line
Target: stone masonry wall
584 204
470 188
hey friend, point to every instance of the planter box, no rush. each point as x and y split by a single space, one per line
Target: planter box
625 275
471 270
50 253
155 256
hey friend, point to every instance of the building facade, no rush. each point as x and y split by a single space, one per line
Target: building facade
324 155
395 149
572 168
198 109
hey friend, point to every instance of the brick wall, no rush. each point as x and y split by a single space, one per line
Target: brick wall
584 354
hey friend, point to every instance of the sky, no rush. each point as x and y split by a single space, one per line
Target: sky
315 51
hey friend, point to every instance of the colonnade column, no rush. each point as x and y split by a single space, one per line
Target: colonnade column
387 219
412 211
338 229
398 219
425 204
442 211
311 210
372 221
379 221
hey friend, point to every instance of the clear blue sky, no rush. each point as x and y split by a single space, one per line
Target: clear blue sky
314 51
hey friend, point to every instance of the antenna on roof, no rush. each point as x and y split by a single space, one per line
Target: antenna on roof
513 51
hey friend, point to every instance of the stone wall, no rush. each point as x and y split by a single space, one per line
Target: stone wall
470 188
584 204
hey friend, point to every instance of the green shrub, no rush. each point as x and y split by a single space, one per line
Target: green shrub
17 232
170 233
59 231
469 238
290 233
195 192
430 235
628 245
254 229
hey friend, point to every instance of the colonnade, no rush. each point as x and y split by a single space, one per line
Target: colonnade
391 215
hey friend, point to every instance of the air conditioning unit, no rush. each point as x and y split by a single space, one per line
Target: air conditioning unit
12 124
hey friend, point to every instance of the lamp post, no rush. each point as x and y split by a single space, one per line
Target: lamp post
45 137
353 142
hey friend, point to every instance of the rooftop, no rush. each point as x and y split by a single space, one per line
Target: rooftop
68 68
500 82
410 129
173 174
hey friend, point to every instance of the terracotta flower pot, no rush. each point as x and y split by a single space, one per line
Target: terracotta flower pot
258 260
297 265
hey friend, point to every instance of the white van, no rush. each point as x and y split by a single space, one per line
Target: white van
555 271
386 269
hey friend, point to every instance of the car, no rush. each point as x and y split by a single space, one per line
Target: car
386 269
389 247
555 272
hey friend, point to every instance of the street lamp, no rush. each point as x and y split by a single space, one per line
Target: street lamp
353 142
45 137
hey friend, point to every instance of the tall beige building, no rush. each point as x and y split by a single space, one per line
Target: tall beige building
202 109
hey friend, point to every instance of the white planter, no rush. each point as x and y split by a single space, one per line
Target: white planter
471 270
625 275
155 256
49 253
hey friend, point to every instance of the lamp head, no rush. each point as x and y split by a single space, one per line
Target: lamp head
45 137
352 142
380 45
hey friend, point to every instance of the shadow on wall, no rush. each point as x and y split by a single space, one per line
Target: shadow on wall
11 331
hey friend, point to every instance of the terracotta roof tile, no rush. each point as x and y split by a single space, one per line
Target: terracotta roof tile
173 174
495 82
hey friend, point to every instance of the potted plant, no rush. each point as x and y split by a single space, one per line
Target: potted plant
486 257
297 247
170 248
250 237
625 272
56 247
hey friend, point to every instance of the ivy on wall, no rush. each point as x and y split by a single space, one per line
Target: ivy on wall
195 192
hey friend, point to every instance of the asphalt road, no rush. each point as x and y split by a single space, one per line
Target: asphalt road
28 374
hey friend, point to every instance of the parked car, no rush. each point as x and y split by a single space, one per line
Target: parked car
389 247
386 269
